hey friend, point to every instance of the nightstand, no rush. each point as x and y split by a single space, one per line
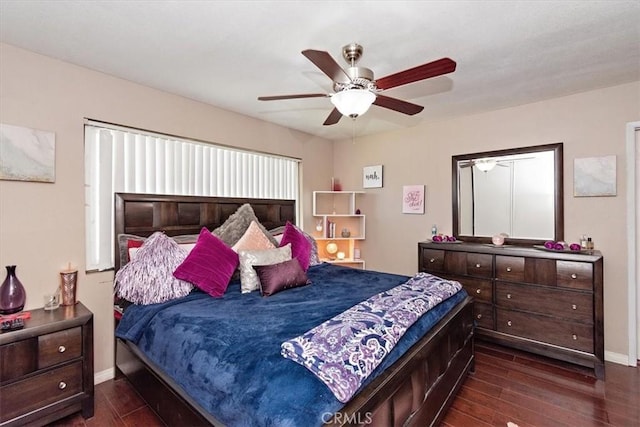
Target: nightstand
46 368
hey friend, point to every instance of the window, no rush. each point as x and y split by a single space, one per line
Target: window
119 159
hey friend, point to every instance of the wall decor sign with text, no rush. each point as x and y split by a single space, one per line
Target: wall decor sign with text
594 176
372 177
413 199
27 154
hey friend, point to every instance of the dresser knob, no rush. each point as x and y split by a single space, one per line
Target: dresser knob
478 291
479 316
62 349
574 336
574 276
432 260
62 385
508 296
477 265
508 269
574 307
508 322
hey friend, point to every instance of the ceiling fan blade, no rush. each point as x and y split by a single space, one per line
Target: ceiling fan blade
327 65
334 117
397 105
303 95
421 72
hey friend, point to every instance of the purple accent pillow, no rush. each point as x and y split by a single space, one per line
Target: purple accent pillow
210 265
300 246
279 277
148 278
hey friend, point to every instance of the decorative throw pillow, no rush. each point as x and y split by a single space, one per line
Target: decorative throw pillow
148 279
300 246
236 225
210 265
254 238
248 278
314 258
135 246
130 241
279 277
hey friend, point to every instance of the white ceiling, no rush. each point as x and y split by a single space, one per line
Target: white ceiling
227 53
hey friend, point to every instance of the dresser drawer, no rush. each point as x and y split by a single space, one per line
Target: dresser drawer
546 329
573 274
510 268
432 261
17 359
59 347
483 315
479 289
40 390
479 265
569 305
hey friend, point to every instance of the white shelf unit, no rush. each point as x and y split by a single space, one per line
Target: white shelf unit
339 207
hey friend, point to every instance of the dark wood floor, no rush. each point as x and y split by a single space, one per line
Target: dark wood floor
507 386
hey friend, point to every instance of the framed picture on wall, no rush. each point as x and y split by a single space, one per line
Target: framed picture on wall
413 199
372 177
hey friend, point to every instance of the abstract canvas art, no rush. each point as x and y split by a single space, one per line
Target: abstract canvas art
27 154
594 176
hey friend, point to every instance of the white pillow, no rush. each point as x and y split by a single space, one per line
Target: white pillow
248 258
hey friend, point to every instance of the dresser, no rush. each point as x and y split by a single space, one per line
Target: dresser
549 303
46 368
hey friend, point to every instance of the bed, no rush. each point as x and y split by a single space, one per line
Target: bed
413 386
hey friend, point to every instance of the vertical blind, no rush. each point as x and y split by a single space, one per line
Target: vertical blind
120 160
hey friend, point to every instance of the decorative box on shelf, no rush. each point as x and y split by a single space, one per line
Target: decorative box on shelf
338 227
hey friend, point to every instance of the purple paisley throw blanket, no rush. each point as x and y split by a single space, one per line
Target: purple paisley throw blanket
343 351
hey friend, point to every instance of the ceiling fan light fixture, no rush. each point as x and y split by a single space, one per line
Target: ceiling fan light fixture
485 165
353 102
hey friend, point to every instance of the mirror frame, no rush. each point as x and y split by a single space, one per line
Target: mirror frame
558 192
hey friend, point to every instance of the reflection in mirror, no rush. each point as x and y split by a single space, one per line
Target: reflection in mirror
517 192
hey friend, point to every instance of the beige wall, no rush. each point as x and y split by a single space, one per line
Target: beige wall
42 225
589 124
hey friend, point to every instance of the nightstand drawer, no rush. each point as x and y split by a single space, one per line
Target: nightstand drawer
59 347
40 390
18 359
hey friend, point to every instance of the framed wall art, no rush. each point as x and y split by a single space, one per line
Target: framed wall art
594 176
372 177
413 199
27 154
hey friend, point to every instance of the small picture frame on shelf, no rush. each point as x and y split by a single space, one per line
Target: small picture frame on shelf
372 176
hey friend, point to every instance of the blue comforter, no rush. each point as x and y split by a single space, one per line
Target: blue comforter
225 353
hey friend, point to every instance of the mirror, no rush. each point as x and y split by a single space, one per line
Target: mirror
516 191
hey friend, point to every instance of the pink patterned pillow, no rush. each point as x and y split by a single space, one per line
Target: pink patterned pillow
210 265
148 278
300 246
253 239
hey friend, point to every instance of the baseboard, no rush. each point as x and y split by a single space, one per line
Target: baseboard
621 359
102 376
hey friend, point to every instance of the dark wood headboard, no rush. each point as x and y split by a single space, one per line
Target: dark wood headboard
144 214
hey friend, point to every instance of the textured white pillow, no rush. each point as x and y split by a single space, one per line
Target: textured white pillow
148 278
248 277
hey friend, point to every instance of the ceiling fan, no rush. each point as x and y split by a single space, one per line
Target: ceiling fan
356 89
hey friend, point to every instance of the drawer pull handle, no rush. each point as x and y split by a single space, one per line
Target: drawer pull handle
62 349
508 269
508 296
508 322
574 276
574 336
477 265
62 385
479 316
478 291
574 307
432 260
